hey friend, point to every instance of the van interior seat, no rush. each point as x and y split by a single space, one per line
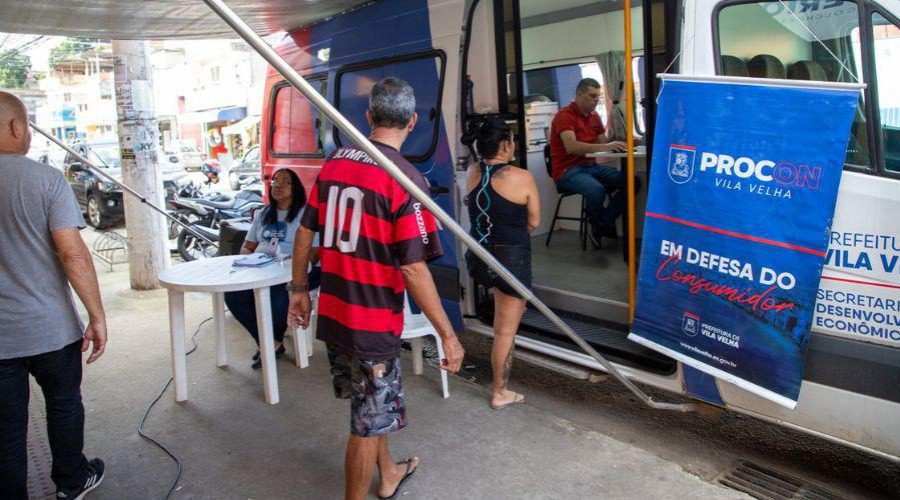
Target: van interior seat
734 66
807 70
766 66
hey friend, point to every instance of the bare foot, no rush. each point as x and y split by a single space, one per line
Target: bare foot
391 480
505 399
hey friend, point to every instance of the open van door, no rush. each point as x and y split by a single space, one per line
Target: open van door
296 136
522 61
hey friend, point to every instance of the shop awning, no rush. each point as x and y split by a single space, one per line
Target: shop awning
232 113
160 19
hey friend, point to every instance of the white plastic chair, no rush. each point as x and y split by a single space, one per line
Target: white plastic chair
416 326
303 337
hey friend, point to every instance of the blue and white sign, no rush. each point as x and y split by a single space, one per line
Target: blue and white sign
740 203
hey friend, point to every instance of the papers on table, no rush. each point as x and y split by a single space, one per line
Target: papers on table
253 260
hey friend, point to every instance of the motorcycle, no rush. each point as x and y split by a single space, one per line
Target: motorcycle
206 215
188 191
254 186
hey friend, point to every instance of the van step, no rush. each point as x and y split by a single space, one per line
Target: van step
606 339
554 365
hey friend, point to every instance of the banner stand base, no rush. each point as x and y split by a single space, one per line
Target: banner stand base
743 384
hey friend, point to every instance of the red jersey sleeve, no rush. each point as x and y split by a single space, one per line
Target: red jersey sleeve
415 231
310 218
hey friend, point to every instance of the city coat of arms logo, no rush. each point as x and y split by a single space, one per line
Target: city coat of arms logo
681 163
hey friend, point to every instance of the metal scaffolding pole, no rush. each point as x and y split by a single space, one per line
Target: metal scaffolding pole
322 104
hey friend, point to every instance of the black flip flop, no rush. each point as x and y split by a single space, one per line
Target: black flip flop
406 475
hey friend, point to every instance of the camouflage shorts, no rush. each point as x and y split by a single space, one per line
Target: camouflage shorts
375 392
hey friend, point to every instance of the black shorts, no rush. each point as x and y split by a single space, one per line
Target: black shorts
515 258
375 391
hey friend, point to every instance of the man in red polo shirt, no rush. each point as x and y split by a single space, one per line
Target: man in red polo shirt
575 132
375 239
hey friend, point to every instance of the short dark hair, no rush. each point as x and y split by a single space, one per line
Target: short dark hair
392 103
586 83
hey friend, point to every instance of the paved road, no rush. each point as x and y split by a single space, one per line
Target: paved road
701 445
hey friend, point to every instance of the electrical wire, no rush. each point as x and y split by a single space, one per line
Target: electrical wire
140 428
10 53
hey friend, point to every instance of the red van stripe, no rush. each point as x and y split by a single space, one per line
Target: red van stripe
359 317
733 234
858 282
360 270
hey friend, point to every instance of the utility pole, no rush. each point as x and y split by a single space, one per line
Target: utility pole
138 130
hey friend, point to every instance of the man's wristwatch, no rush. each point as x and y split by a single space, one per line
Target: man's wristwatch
296 287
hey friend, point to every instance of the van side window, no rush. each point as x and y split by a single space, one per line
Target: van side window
773 39
296 128
886 46
424 72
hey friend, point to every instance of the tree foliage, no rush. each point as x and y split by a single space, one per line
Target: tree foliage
69 49
14 68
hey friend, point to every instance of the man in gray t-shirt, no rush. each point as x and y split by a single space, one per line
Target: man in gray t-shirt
41 334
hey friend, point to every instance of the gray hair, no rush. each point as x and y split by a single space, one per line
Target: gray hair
392 103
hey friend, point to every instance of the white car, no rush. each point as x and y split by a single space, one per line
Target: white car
189 157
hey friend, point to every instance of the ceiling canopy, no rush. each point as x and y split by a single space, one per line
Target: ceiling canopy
160 19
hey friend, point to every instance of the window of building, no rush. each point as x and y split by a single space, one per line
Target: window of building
819 41
424 72
886 47
296 127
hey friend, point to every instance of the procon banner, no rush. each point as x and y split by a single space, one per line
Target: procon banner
742 193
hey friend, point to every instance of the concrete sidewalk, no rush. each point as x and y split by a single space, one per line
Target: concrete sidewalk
233 445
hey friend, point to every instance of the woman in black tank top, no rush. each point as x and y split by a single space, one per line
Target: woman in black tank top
503 209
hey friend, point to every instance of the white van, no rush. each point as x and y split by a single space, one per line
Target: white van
521 59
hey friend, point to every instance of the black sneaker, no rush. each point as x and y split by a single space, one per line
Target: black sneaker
94 477
257 359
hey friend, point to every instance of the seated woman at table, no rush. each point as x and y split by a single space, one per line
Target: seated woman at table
503 208
272 232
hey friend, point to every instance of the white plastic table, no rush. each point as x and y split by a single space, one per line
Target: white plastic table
639 152
217 276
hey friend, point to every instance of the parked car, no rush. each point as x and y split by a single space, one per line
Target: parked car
247 171
189 157
101 199
53 157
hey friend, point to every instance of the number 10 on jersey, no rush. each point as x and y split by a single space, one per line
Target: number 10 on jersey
337 200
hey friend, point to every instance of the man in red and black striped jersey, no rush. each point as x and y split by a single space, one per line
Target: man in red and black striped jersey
375 240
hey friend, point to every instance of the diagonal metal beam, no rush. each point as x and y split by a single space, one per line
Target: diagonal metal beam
324 107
